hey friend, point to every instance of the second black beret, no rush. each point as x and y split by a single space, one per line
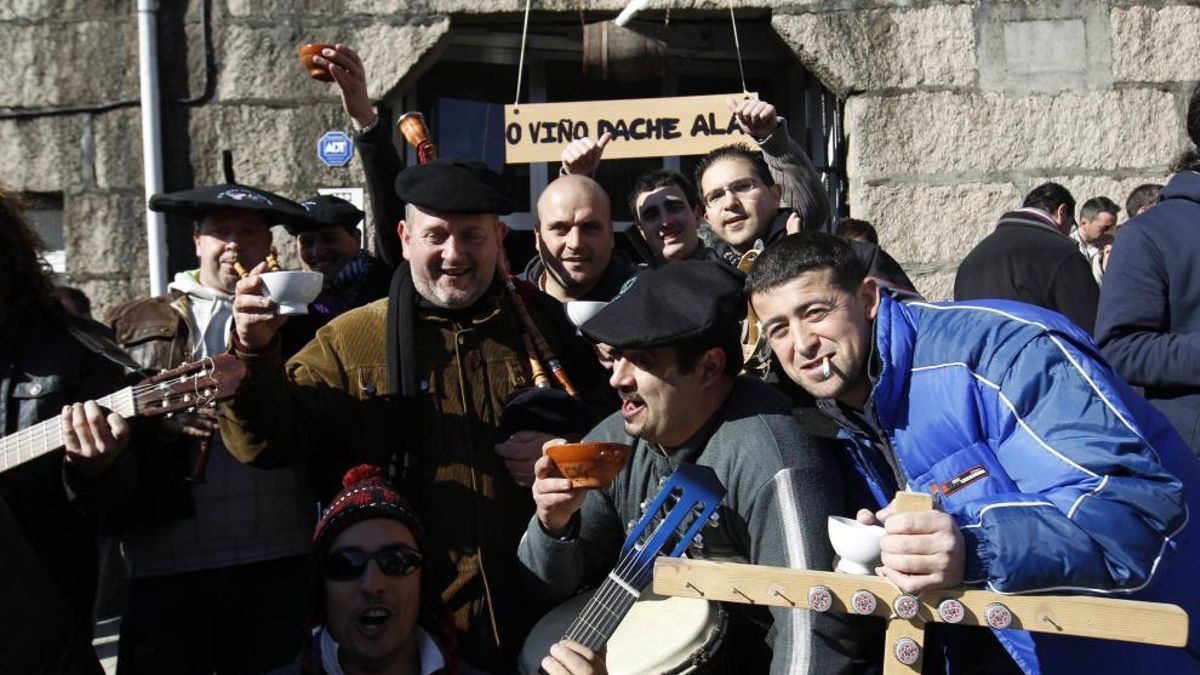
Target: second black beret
674 303
455 186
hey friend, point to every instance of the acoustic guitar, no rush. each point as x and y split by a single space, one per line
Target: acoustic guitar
186 388
686 502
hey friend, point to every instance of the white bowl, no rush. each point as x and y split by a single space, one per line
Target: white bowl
292 290
579 311
856 544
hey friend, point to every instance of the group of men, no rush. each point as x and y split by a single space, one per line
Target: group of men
450 376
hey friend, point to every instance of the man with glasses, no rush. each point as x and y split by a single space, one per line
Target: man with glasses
366 597
743 191
1030 258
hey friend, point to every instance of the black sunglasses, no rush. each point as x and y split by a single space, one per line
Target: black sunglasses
350 563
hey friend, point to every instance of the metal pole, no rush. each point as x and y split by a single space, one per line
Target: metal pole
156 224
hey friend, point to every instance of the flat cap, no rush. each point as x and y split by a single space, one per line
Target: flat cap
674 303
197 202
455 186
326 211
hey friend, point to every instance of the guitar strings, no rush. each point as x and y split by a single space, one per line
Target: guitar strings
48 432
587 619
623 568
608 624
593 616
610 589
607 591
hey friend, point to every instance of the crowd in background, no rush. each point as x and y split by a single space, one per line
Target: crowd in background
377 496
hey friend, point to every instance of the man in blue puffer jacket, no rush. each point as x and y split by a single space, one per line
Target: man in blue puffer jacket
1052 474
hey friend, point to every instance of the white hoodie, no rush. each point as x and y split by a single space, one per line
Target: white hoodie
212 314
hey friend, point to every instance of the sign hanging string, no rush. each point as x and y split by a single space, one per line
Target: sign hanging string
737 44
521 58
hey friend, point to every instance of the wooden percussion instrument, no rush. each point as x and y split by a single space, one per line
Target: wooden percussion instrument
1084 616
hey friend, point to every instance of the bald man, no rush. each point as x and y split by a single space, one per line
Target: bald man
576 258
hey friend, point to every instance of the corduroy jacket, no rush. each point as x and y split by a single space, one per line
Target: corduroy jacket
331 406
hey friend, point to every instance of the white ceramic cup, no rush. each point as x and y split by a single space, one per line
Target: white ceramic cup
857 545
579 311
292 290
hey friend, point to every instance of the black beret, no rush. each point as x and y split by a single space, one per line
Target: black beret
455 186
326 211
548 410
677 302
197 202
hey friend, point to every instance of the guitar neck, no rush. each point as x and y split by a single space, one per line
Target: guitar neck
46 437
603 613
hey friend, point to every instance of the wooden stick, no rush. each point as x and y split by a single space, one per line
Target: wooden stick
1085 616
899 632
905 502
540 380
904 637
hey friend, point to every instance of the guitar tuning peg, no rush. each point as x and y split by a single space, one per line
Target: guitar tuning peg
698 542
630 525
644 505
662 480
715 519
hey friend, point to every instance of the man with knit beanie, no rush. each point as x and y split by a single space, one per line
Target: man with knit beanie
367 615
370 617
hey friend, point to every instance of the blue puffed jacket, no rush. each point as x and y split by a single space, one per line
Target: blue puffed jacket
1060 476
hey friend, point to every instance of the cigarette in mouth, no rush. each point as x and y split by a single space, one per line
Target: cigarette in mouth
826 369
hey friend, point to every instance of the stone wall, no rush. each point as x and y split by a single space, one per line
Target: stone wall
953 110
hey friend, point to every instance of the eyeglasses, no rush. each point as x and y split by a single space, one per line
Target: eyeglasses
737 187
350 563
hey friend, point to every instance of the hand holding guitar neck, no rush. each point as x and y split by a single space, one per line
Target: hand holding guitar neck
94 437
94 432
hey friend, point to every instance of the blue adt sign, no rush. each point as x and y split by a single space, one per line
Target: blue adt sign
335 148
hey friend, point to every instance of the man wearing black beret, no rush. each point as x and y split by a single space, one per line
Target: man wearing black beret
330 242
418 382
676 335
204 556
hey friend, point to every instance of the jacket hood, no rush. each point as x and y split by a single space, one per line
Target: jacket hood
1183 185
189 283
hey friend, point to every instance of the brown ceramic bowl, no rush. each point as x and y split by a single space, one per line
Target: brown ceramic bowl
306 53
589 465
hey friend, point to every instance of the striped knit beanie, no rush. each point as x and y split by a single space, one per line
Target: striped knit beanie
365 495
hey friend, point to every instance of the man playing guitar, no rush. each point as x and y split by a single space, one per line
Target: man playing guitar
675 330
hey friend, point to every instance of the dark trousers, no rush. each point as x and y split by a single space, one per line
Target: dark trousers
240 620
37 634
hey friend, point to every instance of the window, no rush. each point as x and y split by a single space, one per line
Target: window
464 92
45 213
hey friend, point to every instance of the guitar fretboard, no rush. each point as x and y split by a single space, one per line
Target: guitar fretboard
599 619
45 437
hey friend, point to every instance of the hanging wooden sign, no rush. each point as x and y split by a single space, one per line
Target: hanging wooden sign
640 127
